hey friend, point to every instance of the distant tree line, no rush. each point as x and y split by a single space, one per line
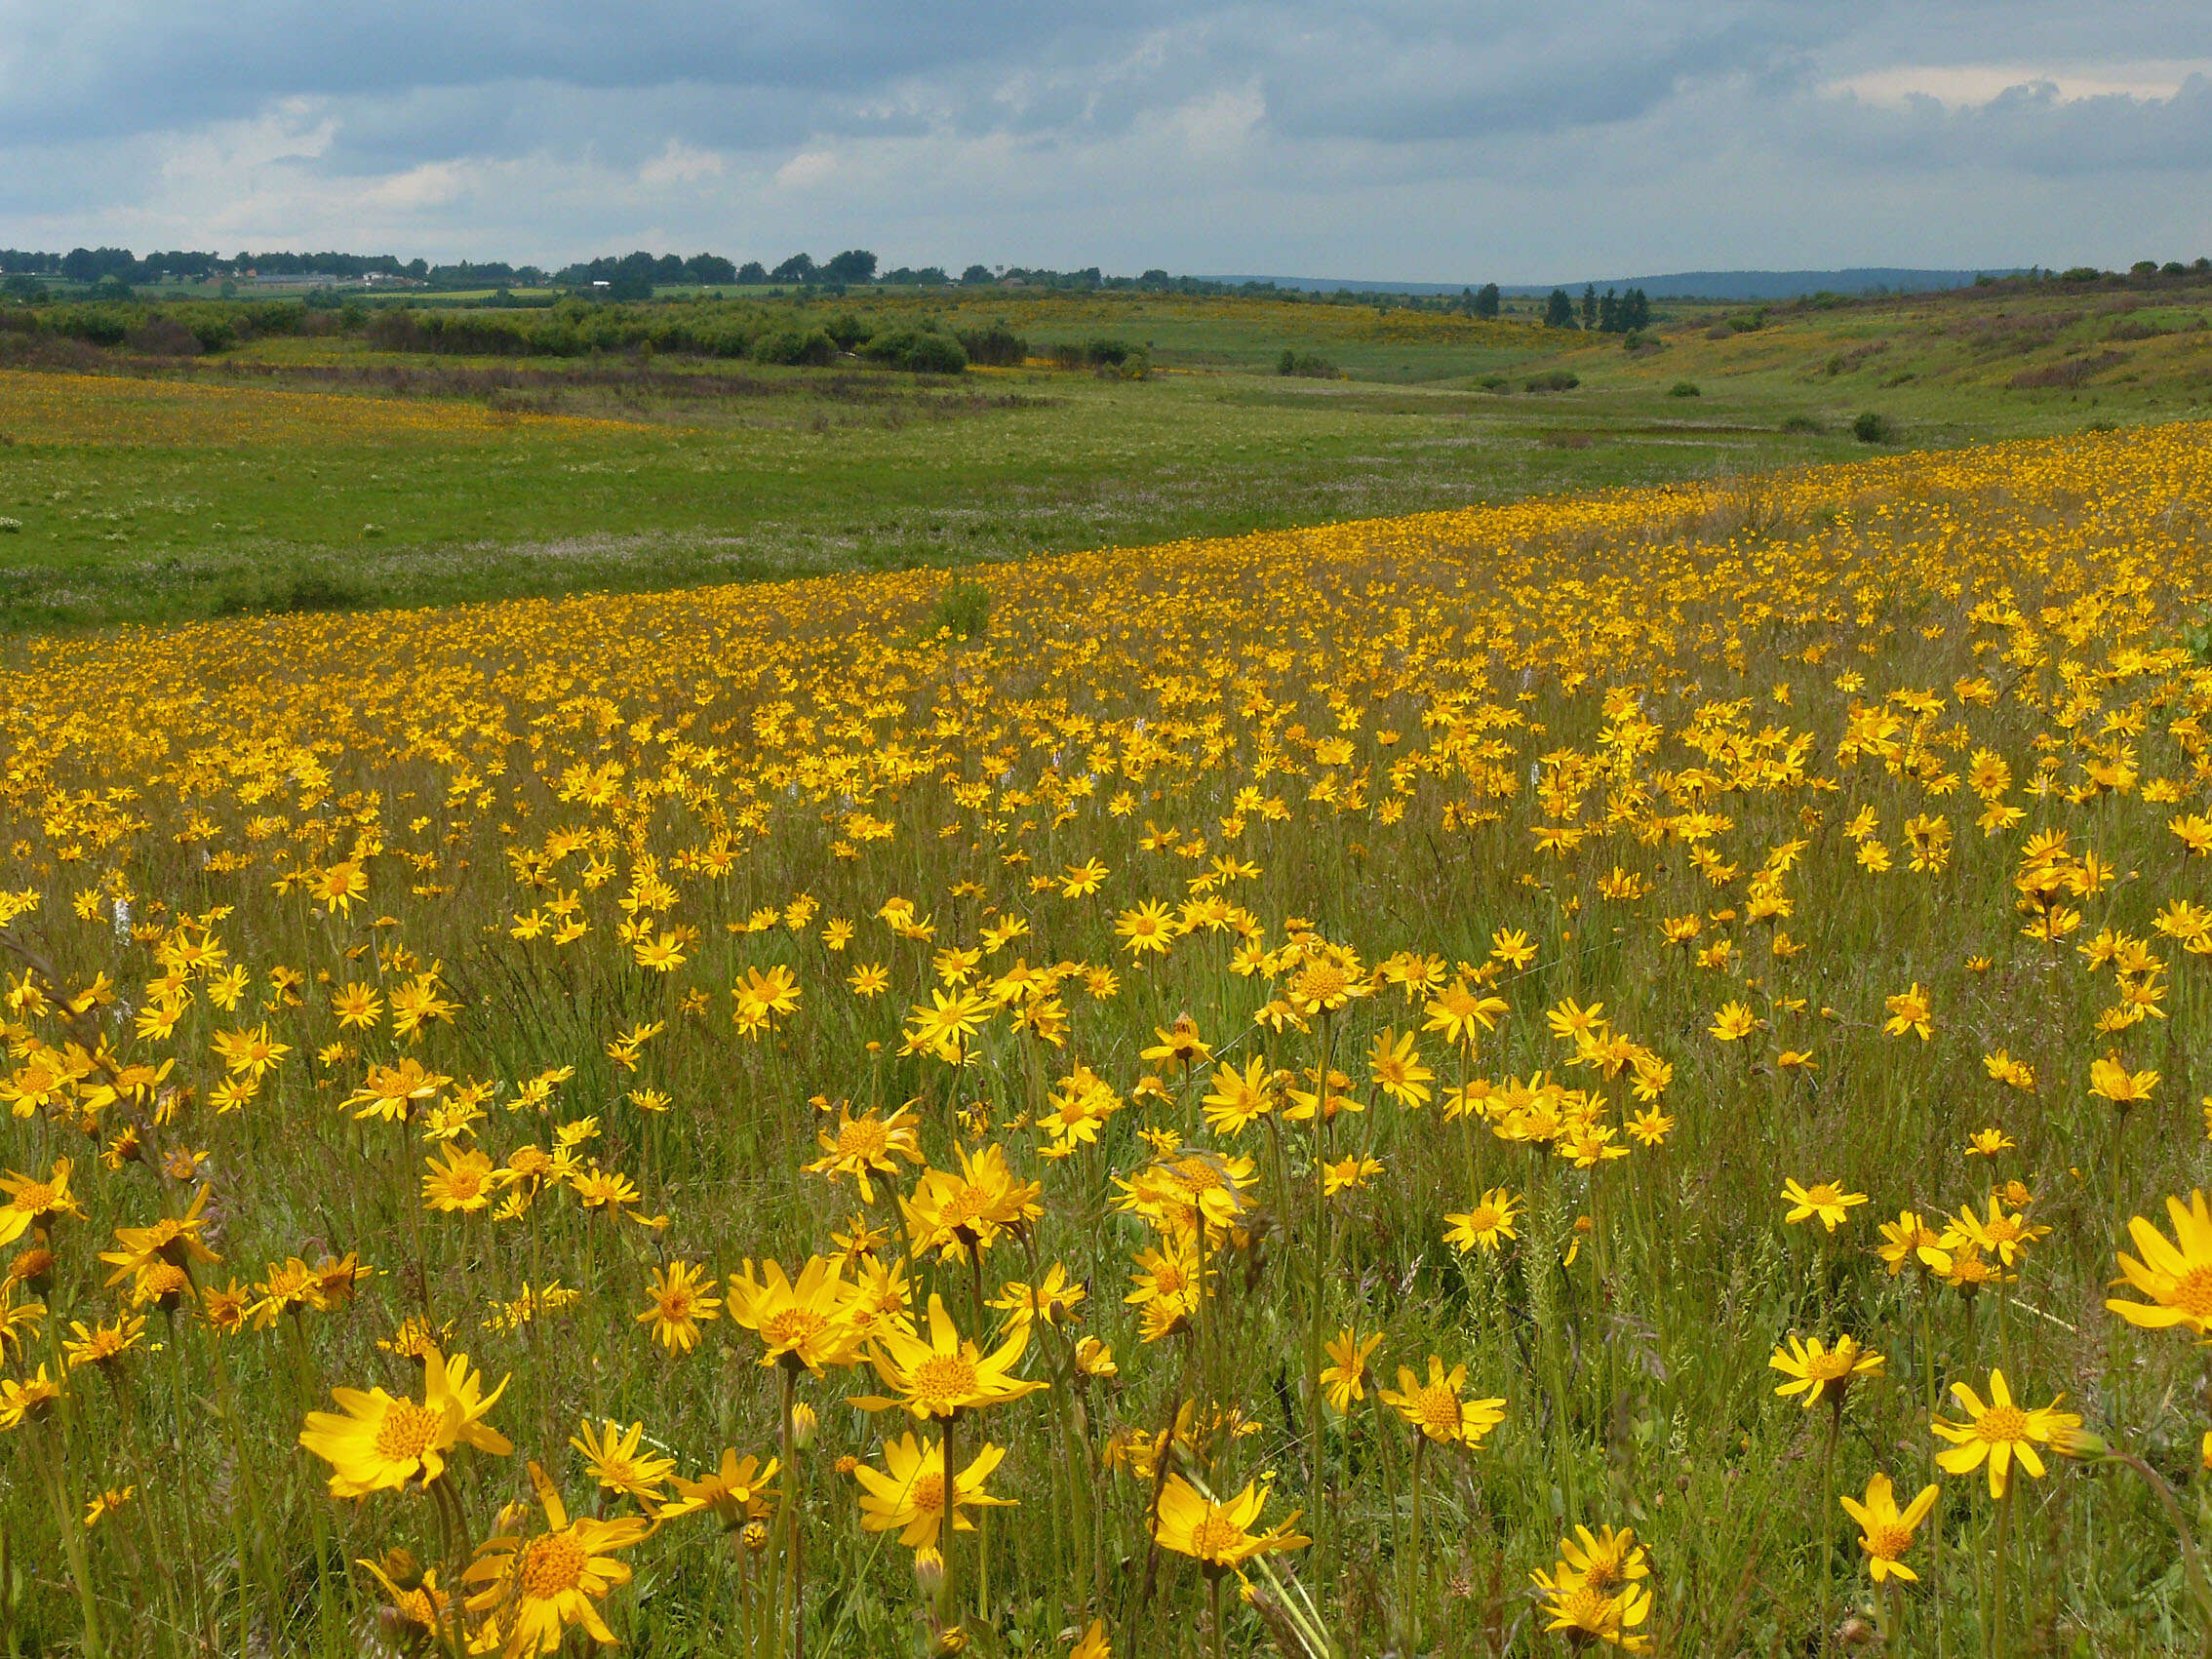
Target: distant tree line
639 275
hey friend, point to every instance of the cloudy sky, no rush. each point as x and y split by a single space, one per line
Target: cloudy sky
1442 141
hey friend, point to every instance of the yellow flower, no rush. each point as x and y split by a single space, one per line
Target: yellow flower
909 1492
1823 1374
868 1144
1886 1533
737 1490
33 1202
955 1213
945 1374
1999 1433
1734 1022
2005 1237
537 1587
1345 1378
1910 1238
682 1299
610 1453
1436 1408
2112 1080
1395 1064
808 1323
1489 1220
2177 1277
378 1443
464 1182
25 1400
1826 1200
1218 1535
1594 1593
1910 1011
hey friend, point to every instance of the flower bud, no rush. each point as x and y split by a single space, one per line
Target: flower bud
929 1573
804 1422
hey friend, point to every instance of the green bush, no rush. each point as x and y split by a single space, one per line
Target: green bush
996 346
1554 381
1310 364
1873 429
920 352
792 345
1683 389
1804 424
847 330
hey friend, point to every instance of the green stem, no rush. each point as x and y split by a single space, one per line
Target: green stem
794 1566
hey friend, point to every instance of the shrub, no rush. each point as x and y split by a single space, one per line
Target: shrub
1873 429
1099 352
1683 389
791 345
1310 364
1554 381
920 352
996 346
847 329
1495 383
164 337
1804 424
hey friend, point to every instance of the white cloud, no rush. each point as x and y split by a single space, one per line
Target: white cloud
678 164
1954 85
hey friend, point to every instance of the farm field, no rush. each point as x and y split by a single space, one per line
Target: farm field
1298 1069
325 471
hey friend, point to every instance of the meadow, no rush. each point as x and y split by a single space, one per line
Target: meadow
326 470
1613 1069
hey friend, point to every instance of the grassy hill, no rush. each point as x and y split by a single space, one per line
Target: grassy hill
321 466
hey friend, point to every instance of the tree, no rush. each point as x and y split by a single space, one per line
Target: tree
1486 300
855 265
1608 313
752 270
975 275
800 267
709 268
1558 311
1635 311
1589 305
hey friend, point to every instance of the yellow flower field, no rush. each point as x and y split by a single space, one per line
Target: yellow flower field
1603 1071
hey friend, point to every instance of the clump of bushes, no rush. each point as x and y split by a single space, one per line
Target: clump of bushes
1101 353
1554 381
1803 423
794 345
1310 364
995 348
1873 429
922 351
1683 389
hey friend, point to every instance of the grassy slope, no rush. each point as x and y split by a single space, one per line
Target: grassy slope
144 500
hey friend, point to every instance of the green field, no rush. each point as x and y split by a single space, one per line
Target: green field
316 470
